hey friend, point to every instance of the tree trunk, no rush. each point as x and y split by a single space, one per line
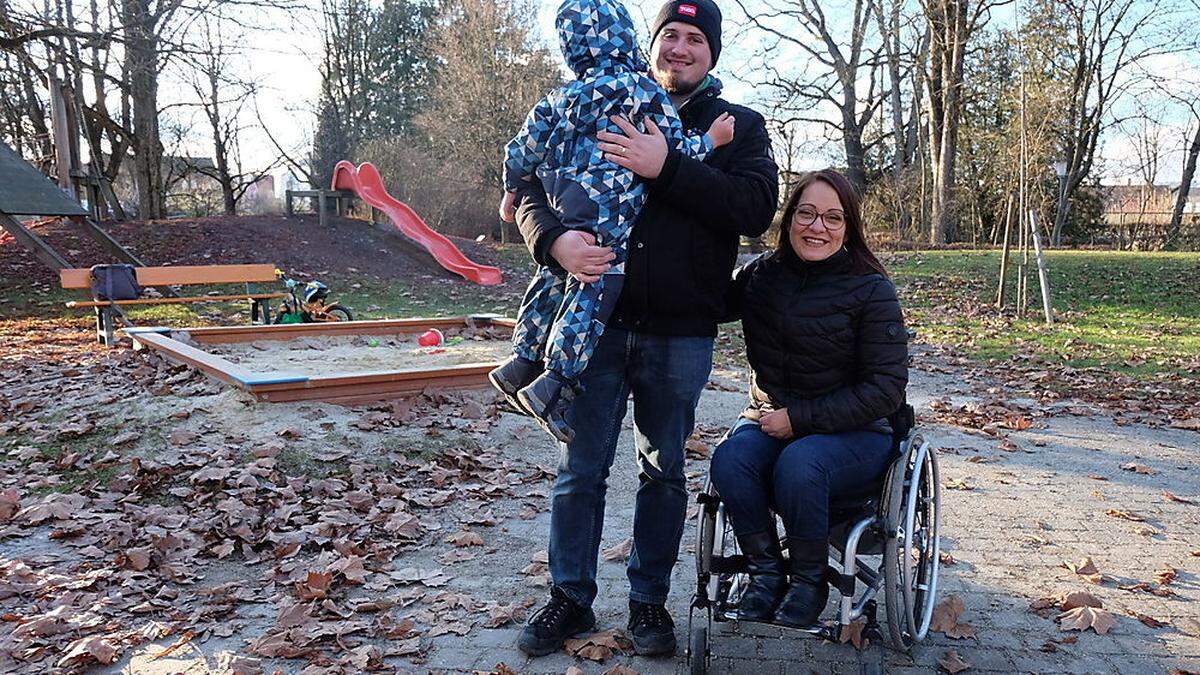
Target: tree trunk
949 32
1185 186
141 61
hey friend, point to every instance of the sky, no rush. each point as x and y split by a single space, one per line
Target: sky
282 53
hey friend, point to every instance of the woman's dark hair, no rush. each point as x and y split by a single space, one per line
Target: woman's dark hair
863 261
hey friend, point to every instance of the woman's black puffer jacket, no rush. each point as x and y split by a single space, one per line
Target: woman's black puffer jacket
825 343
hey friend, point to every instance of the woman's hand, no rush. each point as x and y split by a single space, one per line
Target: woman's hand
776 424
641 152
508 207
579 255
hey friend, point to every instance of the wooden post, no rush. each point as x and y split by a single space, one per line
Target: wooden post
1004 253
321 219
1022 266
287 202
1041 263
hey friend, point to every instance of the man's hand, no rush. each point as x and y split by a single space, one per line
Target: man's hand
579 255
642 153
776 424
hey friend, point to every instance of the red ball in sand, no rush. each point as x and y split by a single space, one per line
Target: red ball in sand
430 338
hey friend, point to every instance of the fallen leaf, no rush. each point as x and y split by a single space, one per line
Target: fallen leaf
1175 498
1127 515
619 552
945 619
94 648
598 646
621 669
464 539
853 633
953 663
1165 575
1096 476
1148 620
10 503
315 586
1083 567
1080 599
1083 618
182 437
1138 468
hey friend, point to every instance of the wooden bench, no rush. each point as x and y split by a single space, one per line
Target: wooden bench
260 303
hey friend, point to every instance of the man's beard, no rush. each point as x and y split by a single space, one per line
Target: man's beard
674 83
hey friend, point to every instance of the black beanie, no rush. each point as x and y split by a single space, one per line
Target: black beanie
703 14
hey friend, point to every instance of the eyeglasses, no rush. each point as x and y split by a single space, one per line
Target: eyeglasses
806 214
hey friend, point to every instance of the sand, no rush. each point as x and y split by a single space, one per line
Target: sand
358 353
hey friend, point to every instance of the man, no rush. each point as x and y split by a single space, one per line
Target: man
658 343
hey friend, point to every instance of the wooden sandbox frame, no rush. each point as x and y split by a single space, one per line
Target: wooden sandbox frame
348 388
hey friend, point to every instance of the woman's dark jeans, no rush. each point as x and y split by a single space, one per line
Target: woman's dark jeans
756 474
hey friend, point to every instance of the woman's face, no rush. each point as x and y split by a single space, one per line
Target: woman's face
818 225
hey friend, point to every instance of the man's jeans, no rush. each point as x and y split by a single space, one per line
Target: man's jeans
665 375
756 474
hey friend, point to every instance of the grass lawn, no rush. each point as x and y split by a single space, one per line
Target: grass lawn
1134 313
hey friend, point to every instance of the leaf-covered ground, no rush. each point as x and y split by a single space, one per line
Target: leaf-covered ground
154 521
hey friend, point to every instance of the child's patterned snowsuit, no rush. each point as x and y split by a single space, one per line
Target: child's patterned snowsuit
587 192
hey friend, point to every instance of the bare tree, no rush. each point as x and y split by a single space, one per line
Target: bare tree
951 26
224 98
848 61
1109 38
1190 156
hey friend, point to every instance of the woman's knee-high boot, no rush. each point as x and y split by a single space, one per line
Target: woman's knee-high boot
767 581
808 592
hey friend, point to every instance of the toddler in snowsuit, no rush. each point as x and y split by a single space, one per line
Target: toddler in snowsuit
561 319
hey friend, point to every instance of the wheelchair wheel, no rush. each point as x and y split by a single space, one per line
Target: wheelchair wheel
698 650
912 499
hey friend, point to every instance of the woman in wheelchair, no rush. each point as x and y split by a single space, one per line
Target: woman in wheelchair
826 341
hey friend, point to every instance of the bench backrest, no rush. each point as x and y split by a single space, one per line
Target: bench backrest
179 276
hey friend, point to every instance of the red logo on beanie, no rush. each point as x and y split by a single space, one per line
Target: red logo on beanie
689 10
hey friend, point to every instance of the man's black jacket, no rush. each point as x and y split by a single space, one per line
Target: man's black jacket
684 244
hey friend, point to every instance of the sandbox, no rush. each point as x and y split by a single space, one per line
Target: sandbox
347 362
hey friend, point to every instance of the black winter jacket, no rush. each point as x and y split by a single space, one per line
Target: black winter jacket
826 344
683 247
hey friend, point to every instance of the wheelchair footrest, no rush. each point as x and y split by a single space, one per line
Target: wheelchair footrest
734 564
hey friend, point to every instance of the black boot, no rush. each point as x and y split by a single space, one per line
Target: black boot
806 597
513 375
767 581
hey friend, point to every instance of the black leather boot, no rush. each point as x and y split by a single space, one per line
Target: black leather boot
801 606
767 581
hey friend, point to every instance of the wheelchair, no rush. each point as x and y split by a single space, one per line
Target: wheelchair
895 525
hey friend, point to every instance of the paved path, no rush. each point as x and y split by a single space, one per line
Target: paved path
1010 518
1025 513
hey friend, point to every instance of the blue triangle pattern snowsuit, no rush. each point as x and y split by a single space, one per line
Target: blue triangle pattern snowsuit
562 319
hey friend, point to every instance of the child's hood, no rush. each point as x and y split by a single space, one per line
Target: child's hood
598 33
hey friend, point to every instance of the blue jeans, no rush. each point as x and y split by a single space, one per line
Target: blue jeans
756 474
665 375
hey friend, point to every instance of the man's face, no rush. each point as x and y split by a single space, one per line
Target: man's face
680 58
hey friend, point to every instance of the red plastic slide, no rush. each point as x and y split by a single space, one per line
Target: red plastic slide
366 183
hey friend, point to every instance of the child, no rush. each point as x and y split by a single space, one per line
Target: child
561 319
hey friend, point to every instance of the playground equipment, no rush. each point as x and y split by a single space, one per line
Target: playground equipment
349 388
24 191
367 184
